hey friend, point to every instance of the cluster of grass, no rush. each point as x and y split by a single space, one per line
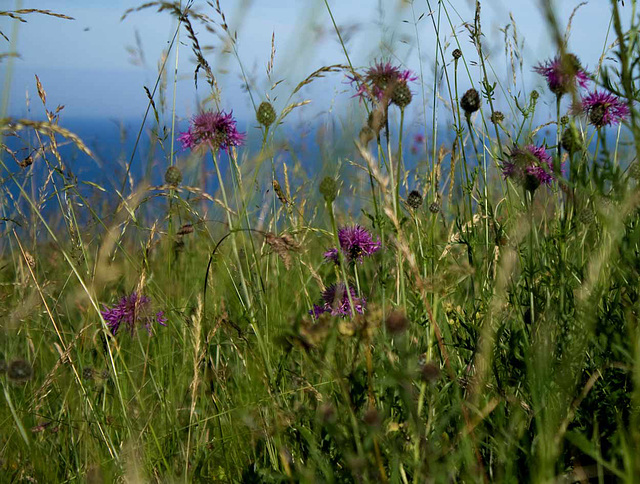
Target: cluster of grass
493 335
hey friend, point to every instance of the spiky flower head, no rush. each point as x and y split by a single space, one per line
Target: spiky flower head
602 108
335 300
328 189
173 176
380 80
563 74
214 130
414 199
265 114
131 310
356 243
470 101
530 166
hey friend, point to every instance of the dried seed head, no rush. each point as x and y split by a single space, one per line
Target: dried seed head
497 117
173 176
457 53
371 417
414 199
470 102
587 216
20 371
401 95
429 372
29 259
282 245
377 119
434 207
396 322
88 373
186 229
279 193
366 135
266 115
329 189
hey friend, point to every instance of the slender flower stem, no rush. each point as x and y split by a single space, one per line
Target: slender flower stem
341 259
233 236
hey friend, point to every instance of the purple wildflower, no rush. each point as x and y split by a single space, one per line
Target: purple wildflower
602 108
216 130
562 75
130 310
531 165
379 80
335 301
356 243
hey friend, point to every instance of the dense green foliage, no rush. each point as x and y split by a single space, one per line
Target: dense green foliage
500 335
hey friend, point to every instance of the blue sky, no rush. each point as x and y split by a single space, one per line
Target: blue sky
85 63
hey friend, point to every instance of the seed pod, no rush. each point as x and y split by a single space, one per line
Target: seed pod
434 207
414 200
497 117
457 53
329 189
265 114
470 102
587 216
401 95
173 176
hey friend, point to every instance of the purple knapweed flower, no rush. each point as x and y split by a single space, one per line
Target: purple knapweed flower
131 310
378 81
563 75
335 300
215 130
602 108
356 243
532 166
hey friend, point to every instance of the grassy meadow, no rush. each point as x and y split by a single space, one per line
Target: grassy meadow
455 305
